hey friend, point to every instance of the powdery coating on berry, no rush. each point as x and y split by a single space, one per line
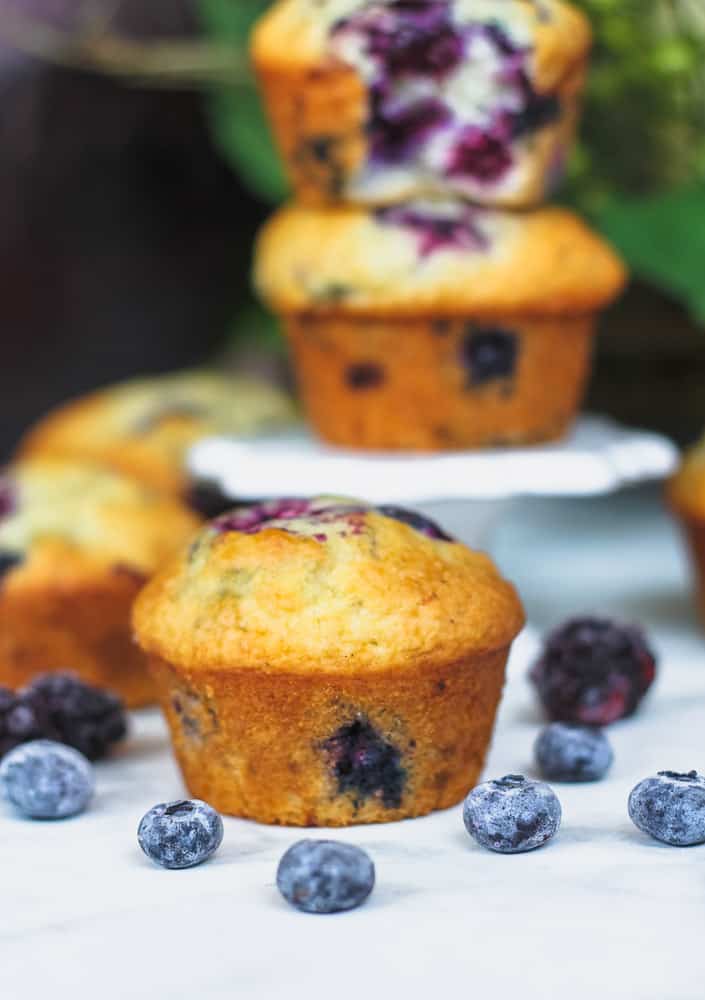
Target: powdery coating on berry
670 807
364 764
324 876
489 354
450 227
47 780
180 834
593 671
512 814
569 752
63 708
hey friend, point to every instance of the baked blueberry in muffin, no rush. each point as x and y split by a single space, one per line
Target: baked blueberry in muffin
325 662
379 101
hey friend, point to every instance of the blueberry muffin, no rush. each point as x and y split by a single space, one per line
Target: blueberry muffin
379 102
686 496
437 324
323 662
77 543
145 427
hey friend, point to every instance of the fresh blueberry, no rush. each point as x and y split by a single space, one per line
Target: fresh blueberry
180 834
568 752
365 764
47 780
488 354
415 520
670 807
593 671
512 814
324 876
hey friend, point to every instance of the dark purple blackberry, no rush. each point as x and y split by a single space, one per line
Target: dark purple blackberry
593 671
365 375
489 353
415 520
365 764
60 707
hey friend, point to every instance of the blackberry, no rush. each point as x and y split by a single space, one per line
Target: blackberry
60 707
593 671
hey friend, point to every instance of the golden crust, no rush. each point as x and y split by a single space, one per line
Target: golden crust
686 489
346 261
85 540
375 594
423 397
293 34
255 744
144 427
693 528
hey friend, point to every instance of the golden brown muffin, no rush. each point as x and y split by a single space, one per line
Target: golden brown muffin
77 543
437 325
379 102
322 662
686 496
145 427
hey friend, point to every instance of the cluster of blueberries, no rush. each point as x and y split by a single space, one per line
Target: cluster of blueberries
44 779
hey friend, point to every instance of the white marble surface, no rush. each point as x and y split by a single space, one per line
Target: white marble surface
602 912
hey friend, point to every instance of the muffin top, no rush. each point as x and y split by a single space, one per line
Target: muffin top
144 427
75 519
301 34
430 258
686 490
328 584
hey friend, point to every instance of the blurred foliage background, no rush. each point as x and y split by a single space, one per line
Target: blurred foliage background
136 166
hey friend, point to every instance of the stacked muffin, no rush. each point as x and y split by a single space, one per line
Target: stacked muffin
423 309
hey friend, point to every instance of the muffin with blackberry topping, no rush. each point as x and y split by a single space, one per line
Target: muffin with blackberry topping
437 325
324 662
144 427
686 497
379 101
77 542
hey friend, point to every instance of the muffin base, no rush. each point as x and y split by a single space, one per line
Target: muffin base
319 118
408 384
84 629
268 746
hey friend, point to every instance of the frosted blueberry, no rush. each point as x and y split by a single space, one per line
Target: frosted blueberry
324 876
47 780
566 752
670 807
512 814
180 834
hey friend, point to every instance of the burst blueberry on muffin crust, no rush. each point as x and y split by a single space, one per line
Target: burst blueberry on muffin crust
325 662
378 102
145 427
77 543
436 324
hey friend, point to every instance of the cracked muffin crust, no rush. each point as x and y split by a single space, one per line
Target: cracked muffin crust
321 662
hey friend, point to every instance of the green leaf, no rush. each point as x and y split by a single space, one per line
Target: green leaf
663 240
237 117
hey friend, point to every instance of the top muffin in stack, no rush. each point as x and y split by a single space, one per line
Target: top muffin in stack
442 113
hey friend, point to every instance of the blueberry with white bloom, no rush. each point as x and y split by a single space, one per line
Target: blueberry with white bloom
324 876
512 814
47 780
180 834
566 751
670 807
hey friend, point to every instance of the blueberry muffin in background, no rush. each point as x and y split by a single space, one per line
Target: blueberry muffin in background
77 542
145 427
379 102
437 325
685 493
324 662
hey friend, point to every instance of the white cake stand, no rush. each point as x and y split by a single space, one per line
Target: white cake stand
465 491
